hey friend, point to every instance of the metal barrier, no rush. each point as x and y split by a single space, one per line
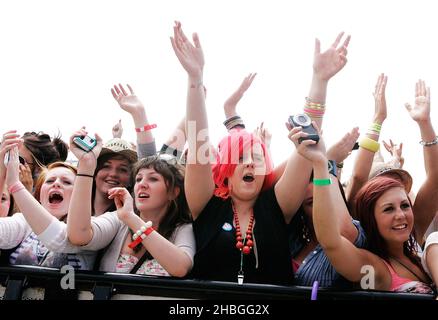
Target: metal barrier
28 282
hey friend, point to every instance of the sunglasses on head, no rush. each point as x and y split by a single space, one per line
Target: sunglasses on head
22 160
170 159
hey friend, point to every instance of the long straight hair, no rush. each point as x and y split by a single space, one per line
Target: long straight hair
365 205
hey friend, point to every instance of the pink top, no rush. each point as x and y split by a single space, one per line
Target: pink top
295 265
400 284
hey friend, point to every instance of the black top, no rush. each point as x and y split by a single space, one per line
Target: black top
217 257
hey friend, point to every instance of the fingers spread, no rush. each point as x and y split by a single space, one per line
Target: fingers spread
196 40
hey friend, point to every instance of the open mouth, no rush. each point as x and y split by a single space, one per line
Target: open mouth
143 195
400 227
249 177
55 198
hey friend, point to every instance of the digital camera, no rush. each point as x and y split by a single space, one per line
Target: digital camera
86 143
304 121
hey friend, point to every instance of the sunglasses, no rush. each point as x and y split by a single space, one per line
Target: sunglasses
23 161
170 159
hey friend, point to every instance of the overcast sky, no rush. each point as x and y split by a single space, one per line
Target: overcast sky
59 60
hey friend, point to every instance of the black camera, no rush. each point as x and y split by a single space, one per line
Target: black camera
304 121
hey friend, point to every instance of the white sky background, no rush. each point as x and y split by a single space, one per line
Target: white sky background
59 60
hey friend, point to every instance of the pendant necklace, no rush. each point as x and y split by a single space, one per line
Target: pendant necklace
244 243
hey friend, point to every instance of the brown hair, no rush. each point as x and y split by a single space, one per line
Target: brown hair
366 200
173 174
45 150
101 160
42 176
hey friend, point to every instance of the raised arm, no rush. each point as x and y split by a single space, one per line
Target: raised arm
230 105
36 215
10 139
339 152
117 129
396 151
132 104
369 143
425 205
79 228
199 184
175 260
325 65
175 143
297 171
342 149
328 208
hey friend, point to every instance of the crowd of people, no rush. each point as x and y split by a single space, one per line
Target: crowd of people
227 213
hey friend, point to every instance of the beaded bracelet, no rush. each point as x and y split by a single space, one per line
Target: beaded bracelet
141 234
429 143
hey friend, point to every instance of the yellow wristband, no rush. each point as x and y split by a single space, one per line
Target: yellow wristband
369 144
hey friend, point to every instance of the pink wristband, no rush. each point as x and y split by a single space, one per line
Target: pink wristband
315 112
146 127
17 186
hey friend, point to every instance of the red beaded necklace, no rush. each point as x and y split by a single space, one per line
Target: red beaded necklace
245 243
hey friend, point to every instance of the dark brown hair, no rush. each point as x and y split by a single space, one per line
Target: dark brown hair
173 174
45 150
101 160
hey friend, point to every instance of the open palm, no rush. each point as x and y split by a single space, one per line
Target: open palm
190 56
421 109
127 101
331 61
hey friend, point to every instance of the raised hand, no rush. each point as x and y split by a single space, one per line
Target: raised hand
127 101
86 159
396 151
421 111
331 61
380 112
189 55
233 100
123 201
117 129
264 135
9 140
12 172
342 149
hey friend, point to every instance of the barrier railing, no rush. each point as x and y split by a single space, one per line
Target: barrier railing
28 282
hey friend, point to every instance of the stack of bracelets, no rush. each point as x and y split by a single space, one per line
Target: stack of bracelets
374 129
234 122
313 109
368 143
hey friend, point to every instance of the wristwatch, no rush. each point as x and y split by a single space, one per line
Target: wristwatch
332 168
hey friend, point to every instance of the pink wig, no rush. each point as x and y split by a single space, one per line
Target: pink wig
227 159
